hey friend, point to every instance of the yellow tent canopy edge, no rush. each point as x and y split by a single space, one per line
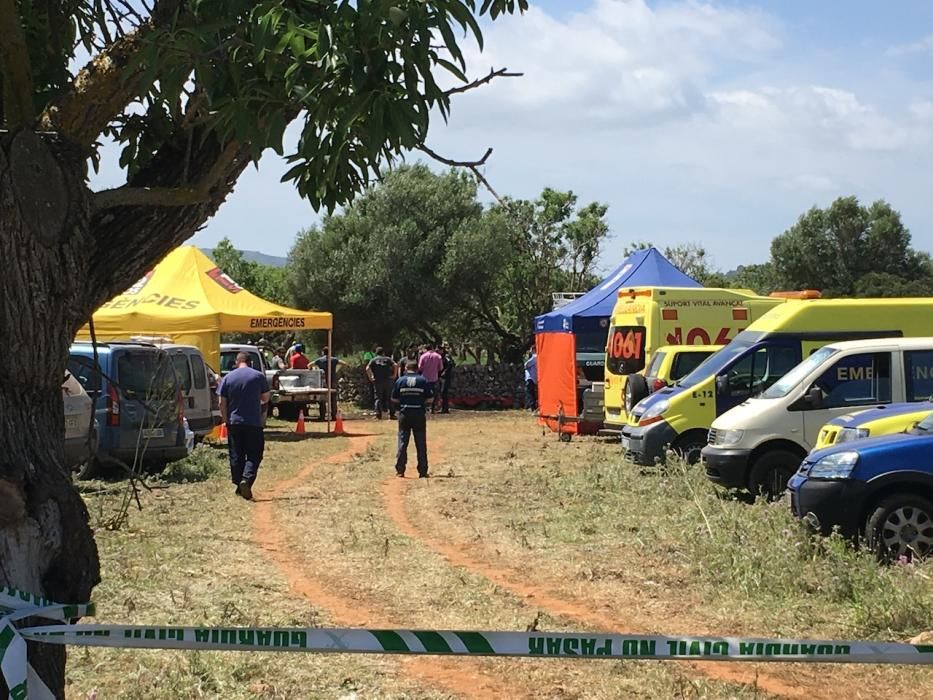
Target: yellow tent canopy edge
187 299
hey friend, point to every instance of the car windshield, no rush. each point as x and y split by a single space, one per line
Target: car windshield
716 362
786 384
144 374
655 365
228 360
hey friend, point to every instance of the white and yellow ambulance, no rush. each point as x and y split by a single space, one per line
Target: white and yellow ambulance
647 318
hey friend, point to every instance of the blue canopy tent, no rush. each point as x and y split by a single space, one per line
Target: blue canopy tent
577 331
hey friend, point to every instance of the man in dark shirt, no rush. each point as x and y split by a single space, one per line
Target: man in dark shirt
381 373
412 394
244 392
330 378
446 377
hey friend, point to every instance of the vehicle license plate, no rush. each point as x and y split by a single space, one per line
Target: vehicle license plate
625 443
153 433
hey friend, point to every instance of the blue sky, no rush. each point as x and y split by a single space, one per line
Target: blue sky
715 122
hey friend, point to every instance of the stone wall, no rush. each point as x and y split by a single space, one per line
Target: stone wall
473 386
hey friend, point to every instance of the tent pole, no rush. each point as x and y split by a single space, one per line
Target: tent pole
330 353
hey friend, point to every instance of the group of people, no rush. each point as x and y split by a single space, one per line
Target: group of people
418 382
295 358
433 362
410 387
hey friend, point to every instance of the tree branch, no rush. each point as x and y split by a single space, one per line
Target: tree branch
127 196
135 230
471 165
103 88
17 71
479 82
456 163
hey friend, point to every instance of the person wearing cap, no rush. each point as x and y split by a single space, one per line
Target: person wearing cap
278 359
412 394
244 393
298 359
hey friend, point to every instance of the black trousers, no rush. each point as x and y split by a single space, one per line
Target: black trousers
445 394
322 407
382 389
408 424
245 444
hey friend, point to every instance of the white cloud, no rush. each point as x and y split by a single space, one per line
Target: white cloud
619 61
822 115
923 45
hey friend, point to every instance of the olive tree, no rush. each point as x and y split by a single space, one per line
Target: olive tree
193 91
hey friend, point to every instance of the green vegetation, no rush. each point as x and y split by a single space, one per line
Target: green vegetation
756 555
419 256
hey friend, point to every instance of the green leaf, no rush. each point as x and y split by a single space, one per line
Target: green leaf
397 16
452 68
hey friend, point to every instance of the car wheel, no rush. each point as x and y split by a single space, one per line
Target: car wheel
636 388
90 469
771 472
565 437
288 412
689 450
901 526
156 467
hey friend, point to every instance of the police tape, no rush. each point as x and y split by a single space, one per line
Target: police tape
19 675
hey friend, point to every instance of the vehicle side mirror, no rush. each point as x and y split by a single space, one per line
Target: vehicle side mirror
722 384
813 398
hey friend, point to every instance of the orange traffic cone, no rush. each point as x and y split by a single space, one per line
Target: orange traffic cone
338 424
223 432
300 426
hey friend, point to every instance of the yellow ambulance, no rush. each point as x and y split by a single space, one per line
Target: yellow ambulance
647 318
680 417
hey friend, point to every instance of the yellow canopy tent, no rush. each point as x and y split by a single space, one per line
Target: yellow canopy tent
187 299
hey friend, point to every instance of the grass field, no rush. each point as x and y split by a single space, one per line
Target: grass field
515 531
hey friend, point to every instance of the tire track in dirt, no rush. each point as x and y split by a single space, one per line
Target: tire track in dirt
561 606
270 538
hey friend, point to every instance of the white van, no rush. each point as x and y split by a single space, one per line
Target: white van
763 440
189 366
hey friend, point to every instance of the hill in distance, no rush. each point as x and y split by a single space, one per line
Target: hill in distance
254 256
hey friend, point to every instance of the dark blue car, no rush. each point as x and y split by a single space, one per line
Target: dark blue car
879 489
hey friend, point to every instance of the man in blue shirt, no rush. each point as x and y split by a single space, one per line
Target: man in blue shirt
244 393
412 393
531 383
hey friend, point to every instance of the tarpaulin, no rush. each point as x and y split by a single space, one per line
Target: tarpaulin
557 379
187 299
643 268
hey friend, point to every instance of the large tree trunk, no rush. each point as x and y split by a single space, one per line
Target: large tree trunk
46 544
61 260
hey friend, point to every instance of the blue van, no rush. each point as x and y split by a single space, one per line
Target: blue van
880 488
137 402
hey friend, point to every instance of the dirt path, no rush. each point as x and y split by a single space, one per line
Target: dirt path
560 605
460 677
